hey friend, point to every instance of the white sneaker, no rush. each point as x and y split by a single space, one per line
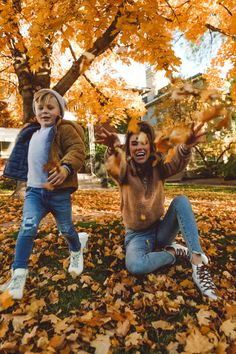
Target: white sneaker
16 284
183 251
83 238
76 262
180 250
203 280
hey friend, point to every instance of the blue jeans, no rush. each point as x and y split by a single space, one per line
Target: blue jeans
38 203
141 255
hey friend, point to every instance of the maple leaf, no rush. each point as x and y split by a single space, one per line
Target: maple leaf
133 126
229 328
101 344
196 343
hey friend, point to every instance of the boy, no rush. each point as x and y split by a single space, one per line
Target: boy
57 146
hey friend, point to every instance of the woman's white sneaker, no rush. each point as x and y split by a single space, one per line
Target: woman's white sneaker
180 251
203 280
76 262
16 284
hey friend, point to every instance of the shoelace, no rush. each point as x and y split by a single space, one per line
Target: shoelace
205 278
182 253
75 259
17 282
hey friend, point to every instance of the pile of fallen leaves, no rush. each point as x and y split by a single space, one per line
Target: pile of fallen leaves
106 310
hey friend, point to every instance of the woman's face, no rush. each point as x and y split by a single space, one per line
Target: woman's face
139 147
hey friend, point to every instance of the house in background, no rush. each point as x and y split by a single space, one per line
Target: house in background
159 94
7 141
158 101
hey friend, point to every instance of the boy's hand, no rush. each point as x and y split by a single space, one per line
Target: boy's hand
57 175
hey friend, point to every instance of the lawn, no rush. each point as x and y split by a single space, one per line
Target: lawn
106 310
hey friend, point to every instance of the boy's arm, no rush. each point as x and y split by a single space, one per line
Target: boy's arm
72 142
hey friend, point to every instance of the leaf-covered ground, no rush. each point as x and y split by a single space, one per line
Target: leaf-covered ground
106 310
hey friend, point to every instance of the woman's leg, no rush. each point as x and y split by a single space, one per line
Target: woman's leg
179 217
140 256
33 212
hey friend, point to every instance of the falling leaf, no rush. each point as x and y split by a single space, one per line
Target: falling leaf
133 126
142 138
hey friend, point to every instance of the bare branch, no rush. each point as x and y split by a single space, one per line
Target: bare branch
173 11
226 8
216 29
100 46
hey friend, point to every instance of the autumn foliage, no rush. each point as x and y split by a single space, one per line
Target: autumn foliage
71 46
106 310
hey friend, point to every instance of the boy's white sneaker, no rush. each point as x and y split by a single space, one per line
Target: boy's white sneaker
16 284
203 280
76 262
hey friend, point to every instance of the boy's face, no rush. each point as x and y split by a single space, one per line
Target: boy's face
139 148
47 112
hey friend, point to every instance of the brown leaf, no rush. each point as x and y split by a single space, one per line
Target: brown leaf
101 344
196 343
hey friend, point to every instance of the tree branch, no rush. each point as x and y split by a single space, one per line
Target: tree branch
216 29
229 12
223 152
100 46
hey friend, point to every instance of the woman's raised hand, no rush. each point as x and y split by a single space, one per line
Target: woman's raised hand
103 136
196 136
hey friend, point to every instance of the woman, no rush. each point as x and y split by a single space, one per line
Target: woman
140 173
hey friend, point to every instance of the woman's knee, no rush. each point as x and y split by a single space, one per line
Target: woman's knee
181 200
135 267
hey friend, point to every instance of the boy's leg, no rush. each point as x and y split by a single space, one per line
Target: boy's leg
33 212
61 208
140 256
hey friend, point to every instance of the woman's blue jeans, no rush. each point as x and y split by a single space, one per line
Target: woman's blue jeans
38 203
142 255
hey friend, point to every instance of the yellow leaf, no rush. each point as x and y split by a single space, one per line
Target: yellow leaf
133 126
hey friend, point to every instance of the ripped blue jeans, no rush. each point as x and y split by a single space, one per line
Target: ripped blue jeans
145 249
38 203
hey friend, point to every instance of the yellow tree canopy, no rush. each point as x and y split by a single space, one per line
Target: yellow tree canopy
36 35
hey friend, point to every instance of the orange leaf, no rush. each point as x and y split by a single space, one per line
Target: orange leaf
6 300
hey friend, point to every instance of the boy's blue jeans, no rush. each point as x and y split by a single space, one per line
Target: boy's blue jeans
141 255
38 203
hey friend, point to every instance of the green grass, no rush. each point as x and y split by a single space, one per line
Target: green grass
201 188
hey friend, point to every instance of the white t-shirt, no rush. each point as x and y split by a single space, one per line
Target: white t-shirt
39 147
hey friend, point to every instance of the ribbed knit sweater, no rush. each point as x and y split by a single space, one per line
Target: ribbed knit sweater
142 200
